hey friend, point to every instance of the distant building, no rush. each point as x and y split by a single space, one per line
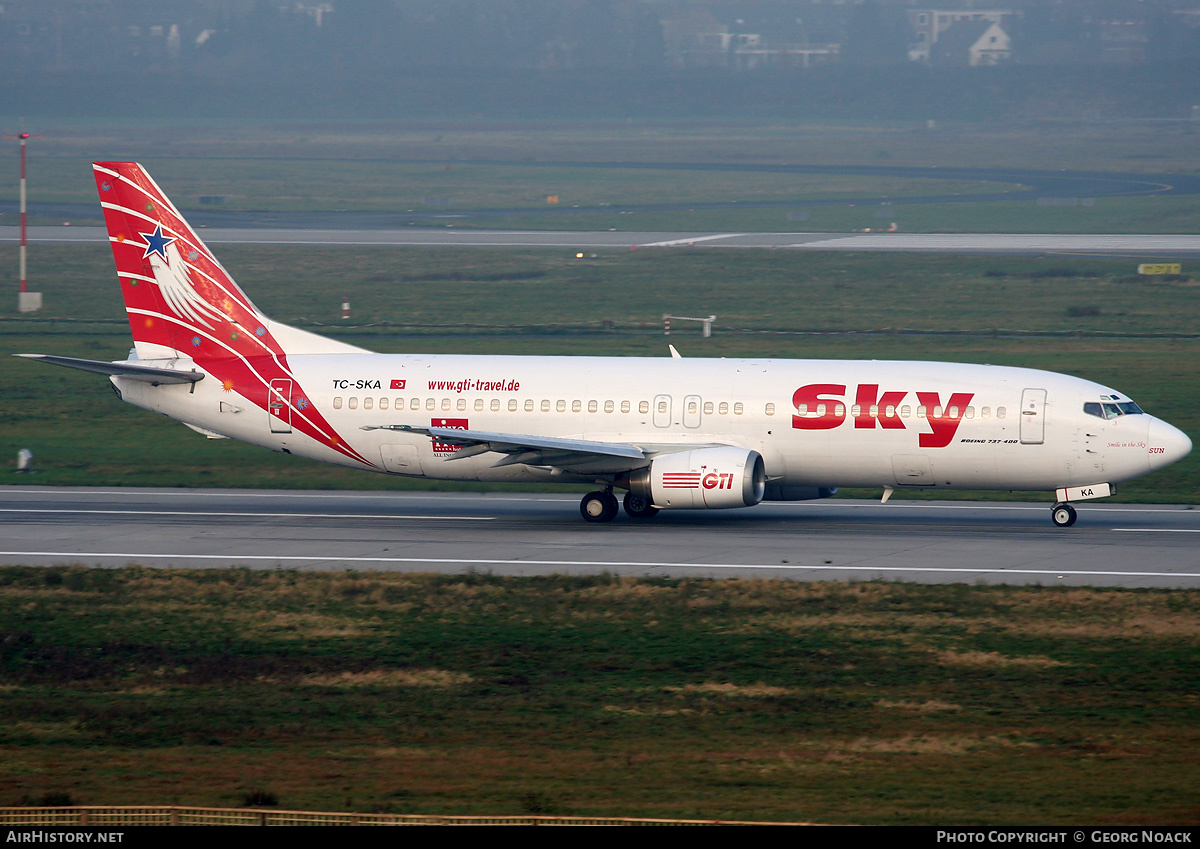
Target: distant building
972 43
1122 41
929 25
697 38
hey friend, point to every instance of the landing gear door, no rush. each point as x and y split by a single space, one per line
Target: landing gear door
279 405
1033 416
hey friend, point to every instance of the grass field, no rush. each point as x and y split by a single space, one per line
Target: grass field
436 170
841 703
868 703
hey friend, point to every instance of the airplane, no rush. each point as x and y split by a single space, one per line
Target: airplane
674 433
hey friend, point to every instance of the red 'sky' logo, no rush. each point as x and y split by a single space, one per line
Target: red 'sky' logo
824 406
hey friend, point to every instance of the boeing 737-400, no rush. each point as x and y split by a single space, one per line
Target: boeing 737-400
671 432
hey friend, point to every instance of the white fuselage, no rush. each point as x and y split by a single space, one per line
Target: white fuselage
815 422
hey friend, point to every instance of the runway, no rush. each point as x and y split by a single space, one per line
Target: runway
1150 246
1112 545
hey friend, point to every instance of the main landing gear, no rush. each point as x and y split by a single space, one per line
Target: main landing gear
639 506
1063 515
601 506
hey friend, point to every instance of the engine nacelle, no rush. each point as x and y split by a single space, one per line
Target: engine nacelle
703 478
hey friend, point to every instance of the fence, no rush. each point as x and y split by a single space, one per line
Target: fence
134 815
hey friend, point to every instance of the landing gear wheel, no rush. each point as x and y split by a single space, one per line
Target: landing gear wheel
598 506
1063 515
639 507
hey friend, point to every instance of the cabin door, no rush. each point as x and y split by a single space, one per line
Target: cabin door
1033 416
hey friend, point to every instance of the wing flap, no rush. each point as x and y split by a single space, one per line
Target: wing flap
528 449
577 455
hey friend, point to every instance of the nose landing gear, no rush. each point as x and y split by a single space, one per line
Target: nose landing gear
1063 515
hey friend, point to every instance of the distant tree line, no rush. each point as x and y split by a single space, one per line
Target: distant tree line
396 58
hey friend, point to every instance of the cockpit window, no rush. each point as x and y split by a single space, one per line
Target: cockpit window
1111 409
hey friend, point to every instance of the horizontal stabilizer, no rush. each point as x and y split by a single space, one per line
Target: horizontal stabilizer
150 374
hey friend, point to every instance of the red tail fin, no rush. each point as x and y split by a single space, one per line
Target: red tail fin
179 299
182 303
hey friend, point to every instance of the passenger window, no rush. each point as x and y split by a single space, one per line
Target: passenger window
399 405
921 412
529 405
693 408
352 403
561 406
662 406
368 403
546 405
770 409
446 404
738 408
430 404
890 412
723 409
986 412
937 411
462 404
624 406
608 406
643 406
708 408
593 406
905 411
970 414
337 402
576 406
479 404
1000 412
383 403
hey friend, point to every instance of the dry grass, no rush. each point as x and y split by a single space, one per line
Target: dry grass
736 699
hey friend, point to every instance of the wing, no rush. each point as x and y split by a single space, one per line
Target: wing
584 456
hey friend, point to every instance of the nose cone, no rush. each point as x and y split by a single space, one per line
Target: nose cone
1167 444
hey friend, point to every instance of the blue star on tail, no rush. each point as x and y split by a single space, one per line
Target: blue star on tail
156 242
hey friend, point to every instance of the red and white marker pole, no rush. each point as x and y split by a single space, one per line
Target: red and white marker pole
23 137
